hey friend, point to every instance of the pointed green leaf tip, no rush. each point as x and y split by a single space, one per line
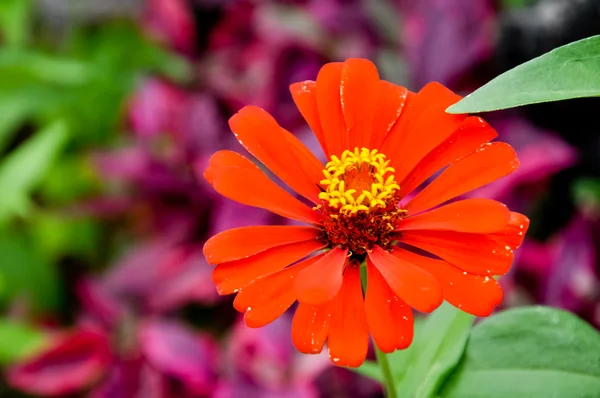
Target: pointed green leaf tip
570 71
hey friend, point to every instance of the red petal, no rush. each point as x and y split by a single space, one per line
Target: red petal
238 243
265 299
310 327
513 234
246 184
305 97
474 253
412 284
330 108
348 332
359 96
322 280
389 108
232 276
487 164
225 159
73 363
279 150
475 294
472 134
470 215
424 126
390 319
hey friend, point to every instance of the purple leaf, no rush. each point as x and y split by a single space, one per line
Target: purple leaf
75 361
541 154
443 39
154 107
264 362
189 280
228 214
132 378
171 22
99 302
572 281
192 120
181 271
181 353
136 274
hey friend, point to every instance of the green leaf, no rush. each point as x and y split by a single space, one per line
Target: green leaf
438 348
587 191
24 167
22 65
57 235
20 105
570 71
516 3
18 341
13 112
14 21
120 49
529 352
27 274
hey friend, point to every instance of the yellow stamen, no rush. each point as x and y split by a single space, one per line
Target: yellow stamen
358 180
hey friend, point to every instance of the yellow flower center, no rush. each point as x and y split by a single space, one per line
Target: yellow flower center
358 181
360 202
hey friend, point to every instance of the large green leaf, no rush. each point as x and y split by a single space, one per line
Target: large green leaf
570 71
24 167
18 340
529 352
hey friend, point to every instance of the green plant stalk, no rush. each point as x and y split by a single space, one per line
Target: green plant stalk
382 359
386 371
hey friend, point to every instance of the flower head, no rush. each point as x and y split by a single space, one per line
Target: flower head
383 142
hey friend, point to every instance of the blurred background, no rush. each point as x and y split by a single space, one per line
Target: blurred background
109 111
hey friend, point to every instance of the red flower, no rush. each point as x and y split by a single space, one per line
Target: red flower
384 142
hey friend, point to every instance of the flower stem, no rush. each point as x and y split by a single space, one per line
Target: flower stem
388 379
382 359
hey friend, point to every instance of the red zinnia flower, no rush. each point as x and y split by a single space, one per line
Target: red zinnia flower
384 142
